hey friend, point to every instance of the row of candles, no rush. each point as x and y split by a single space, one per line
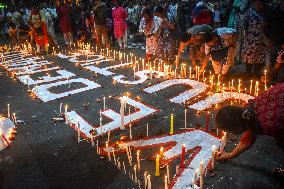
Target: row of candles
137 166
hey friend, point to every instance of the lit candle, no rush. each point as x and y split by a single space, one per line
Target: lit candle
108 152
161 152
223 142
15 118
149 182
138 160
201 174
130 131
124 169
145 180
190 72
172 124
157 173
168 173
135 174
198 73
182 155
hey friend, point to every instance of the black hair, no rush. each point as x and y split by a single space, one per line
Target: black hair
230 119
159 9
185 37
208 36
147 11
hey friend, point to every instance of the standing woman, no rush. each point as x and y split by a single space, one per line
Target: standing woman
63 12
253 52
167 45
119 16
150 25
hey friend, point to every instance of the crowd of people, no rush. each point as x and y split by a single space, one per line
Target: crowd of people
225 32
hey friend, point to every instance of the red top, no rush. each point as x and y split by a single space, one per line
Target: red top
269 111
42 37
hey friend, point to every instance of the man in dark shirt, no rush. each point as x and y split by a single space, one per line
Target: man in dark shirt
100 17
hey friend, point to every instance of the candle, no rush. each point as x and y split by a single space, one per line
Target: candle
101 124
203 75
166 182
15 118
149 182
185 118
124 167
195 177
168 173
145 180
92 140
172 124
182 155
60 108
9 116
198 73
130 131
138 160
232 84
135 174
201 174
223 142
108 135
147 130
108 152
213 156
157 173
161 152
190 72
250 87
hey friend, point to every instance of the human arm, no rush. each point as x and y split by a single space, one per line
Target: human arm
205 62
246 141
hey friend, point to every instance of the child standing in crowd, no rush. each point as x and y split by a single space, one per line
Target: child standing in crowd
40 35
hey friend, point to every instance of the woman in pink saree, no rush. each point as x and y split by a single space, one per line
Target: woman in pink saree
119 16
